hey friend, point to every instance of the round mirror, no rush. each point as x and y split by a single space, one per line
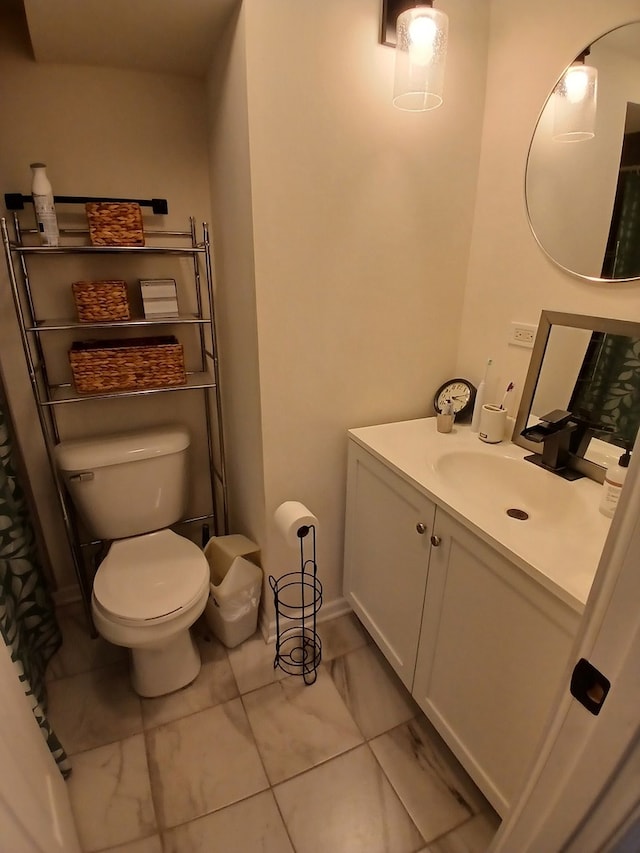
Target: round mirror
583 168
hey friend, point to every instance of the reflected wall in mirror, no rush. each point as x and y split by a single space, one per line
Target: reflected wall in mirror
589 366
583 198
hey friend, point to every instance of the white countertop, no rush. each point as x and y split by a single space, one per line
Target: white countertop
561 542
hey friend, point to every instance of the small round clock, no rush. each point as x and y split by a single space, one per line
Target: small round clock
462 395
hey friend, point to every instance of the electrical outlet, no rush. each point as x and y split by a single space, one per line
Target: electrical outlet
522 334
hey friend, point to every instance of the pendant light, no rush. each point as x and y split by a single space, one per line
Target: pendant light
421 52
575 102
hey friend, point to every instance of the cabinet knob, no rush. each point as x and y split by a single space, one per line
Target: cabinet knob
435 540
421 528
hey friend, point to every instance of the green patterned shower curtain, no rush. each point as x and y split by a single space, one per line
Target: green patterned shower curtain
627 215
27 619
607 391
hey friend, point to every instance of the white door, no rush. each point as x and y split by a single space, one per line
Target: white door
582 795
35 813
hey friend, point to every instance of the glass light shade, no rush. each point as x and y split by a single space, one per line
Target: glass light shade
575 104
421 52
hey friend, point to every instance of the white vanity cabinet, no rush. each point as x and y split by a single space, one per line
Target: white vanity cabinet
388 527
479 643
492 650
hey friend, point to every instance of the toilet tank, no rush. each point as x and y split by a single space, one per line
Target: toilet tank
127 483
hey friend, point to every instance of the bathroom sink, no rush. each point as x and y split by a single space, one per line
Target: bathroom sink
559 541
508 483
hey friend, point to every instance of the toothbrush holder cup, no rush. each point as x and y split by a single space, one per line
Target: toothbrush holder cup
444 423
493 423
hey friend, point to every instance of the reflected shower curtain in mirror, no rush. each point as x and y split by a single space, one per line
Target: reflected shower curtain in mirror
27 620
607 392
623 249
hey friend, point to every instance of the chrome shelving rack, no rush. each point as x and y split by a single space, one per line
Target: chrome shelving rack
19 248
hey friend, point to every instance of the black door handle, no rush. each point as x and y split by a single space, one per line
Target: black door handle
589 686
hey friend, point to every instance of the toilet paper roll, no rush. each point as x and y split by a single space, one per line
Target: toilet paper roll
290 517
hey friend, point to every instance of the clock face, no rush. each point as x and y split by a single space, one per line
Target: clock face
460 392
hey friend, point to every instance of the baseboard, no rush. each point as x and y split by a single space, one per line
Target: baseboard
329 610
66 595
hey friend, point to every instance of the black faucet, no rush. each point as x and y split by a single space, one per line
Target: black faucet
585 431
555 432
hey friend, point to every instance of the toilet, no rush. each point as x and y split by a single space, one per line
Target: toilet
153 584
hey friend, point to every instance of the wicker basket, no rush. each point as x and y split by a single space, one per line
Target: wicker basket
127 365
115 223
100 300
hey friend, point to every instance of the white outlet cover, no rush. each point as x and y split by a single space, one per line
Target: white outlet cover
522 334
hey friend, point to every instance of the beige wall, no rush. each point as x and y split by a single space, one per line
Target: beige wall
101 132
361 224
236 290
510 278
356 267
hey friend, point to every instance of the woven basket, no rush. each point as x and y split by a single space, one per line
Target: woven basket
127 365
115 223
100 300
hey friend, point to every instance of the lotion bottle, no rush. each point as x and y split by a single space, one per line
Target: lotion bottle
43 205
613 482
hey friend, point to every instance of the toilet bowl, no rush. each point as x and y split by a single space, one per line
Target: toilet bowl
147 593
153 584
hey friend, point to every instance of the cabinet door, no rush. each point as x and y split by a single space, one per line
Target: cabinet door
388 525
492 650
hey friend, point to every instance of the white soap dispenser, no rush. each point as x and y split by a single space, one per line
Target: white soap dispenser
613 482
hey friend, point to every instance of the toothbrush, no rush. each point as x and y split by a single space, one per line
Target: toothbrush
475 419
510 388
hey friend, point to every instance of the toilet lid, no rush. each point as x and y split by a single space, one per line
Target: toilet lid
147 577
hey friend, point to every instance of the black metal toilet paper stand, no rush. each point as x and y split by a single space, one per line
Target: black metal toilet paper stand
298 598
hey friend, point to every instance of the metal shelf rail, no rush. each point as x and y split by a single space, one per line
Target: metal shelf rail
49 396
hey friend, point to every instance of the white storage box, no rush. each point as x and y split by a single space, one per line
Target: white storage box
159 297
236 586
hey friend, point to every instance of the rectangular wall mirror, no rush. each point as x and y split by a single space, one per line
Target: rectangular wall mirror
589 366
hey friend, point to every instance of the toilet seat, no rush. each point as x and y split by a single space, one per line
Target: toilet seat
150 578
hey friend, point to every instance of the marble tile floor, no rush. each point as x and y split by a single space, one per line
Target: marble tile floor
249 760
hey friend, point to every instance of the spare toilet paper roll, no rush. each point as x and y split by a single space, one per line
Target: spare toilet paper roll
292 516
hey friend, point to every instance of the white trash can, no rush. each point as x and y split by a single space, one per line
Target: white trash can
235 590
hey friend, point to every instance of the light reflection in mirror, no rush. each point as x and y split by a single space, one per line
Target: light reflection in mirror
576 191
